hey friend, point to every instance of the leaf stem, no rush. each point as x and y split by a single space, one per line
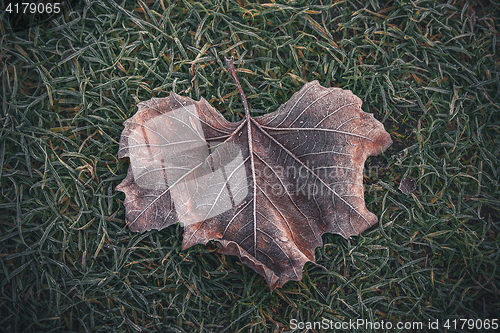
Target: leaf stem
232 70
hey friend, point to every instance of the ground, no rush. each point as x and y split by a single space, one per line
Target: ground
428 70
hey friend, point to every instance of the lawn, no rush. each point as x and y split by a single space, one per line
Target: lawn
428 70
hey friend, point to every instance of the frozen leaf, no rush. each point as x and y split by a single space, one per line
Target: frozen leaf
264 188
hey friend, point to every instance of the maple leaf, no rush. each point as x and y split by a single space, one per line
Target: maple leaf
264 188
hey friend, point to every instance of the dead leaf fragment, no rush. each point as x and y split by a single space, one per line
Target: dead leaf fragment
407 185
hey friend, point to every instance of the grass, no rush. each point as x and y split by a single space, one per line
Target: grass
429 70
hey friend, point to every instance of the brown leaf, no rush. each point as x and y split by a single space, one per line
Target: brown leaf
264 188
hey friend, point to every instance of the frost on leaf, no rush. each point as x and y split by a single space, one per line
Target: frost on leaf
264 188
